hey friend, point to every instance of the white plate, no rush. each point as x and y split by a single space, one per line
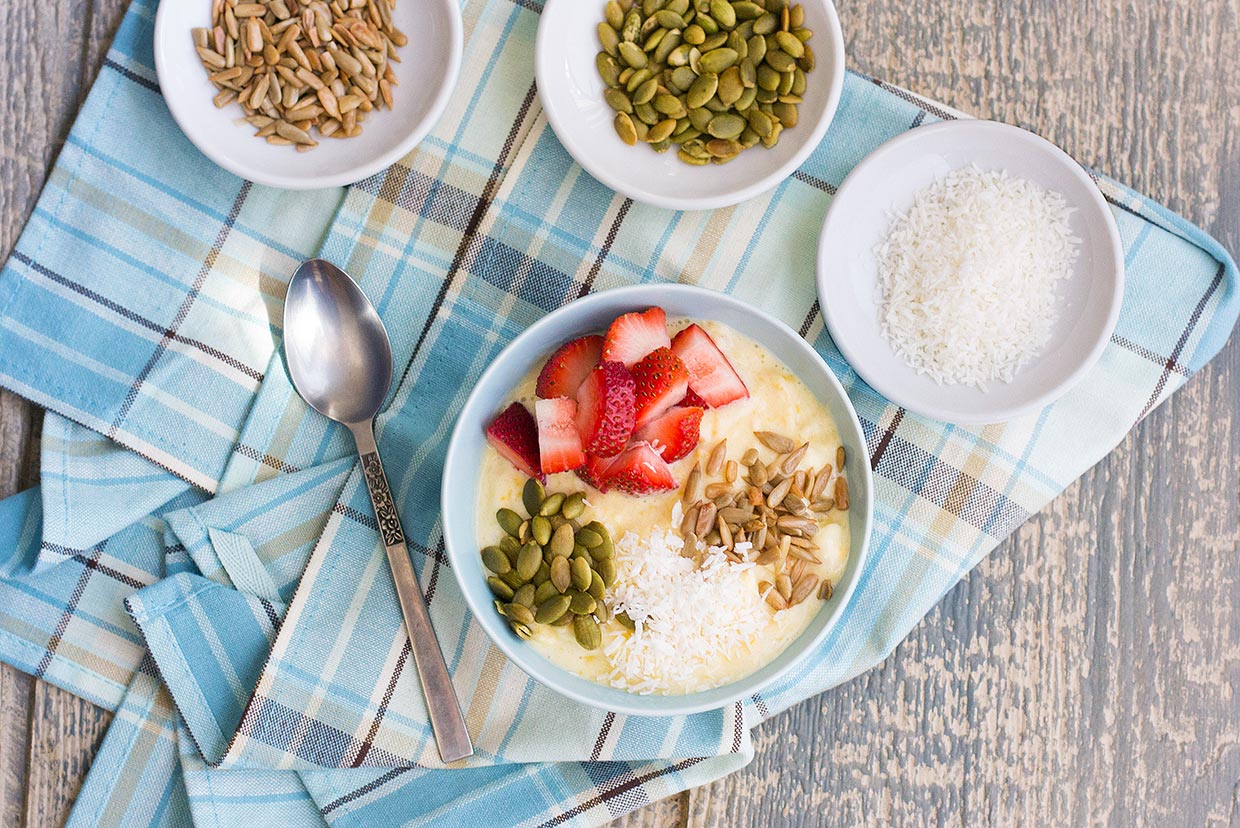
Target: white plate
885 182
571 92
430 63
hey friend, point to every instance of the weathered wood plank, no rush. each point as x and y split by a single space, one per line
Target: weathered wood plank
51 52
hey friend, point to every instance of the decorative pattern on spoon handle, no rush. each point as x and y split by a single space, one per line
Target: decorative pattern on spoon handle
381 496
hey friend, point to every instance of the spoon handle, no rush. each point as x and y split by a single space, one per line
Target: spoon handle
451 735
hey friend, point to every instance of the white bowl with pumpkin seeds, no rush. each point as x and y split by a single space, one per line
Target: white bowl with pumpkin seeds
420 85
572 90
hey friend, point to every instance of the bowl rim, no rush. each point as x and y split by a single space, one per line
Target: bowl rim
890 388
190 127
632 189
530 661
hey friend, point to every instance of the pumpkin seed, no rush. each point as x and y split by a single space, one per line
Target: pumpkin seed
519 613
786 113
551 610
694 34
510 545
540 528
494 559
702 90
528 561
562 541
544 591
532 495
522 631
588 538
509 521
581 603
587 632
765 24
614 14
609 38
551 505
606 570
716 60
632 26
625 621
625 128
580 571
779 60
633 55
500 589
561 574
723 13
597 587
730 86
524 596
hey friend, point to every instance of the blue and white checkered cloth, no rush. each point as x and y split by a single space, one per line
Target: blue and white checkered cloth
201 556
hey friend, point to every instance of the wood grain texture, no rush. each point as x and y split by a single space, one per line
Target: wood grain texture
1088 672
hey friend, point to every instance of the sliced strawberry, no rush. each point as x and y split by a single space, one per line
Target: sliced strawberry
634 335
662 381
711 376
673 434
606 409
568 366
692 399
559 444
594 471
515 436
640 471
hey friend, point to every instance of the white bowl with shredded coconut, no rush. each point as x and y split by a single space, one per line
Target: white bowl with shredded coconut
970 271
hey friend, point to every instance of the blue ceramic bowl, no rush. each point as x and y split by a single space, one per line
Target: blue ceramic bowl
593 314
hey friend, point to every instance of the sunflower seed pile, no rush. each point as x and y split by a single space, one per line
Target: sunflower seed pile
775 506
711 77
300 66
549 568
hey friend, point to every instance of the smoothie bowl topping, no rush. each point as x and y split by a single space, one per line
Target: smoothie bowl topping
670 506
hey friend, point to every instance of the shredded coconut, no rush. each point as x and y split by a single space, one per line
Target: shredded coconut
689 616
968 276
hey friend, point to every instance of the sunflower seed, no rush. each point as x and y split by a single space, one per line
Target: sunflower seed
841 493
783 585
778 492
792 460
825 591
717 455
777 443
705 519
803 588
714 490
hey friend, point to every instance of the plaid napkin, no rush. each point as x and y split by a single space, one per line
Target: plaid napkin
249 642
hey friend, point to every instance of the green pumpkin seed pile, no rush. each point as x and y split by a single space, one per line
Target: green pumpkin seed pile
713 77
549 568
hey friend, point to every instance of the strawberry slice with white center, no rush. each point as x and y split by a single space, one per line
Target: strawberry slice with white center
692 399
559 444
711 376
662 381
634 335
606 408
640 471
674 434
594 471
515 436
568 366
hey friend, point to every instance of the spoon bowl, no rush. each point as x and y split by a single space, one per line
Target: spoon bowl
339 355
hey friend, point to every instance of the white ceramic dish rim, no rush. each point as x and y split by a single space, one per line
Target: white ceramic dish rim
185 120
464 558
886 386
631 188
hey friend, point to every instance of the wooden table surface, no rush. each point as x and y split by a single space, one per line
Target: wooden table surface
1088 672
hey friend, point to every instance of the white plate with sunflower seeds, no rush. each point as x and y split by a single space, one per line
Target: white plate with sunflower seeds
423 81
572 93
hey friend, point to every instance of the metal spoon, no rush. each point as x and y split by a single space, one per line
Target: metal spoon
340 361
